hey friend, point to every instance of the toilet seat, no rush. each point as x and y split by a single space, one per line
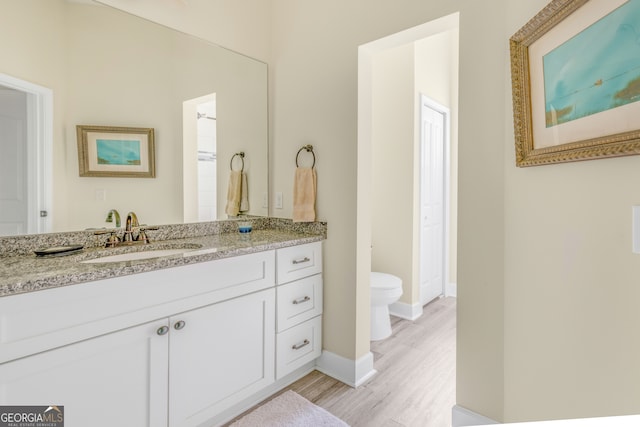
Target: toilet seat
385 281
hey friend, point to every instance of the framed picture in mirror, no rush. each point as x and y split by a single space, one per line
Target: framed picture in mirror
575 72
106 151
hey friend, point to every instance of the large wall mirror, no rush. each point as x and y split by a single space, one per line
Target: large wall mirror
105 67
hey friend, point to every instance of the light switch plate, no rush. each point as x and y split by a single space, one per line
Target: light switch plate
279 200
635 229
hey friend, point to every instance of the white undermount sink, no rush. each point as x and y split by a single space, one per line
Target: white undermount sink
136 256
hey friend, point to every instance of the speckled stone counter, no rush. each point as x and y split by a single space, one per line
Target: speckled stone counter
22 271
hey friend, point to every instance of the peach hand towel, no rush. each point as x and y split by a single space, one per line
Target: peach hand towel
304 195
244 194
234 193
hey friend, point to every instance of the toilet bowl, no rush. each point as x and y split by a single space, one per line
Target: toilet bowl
385 289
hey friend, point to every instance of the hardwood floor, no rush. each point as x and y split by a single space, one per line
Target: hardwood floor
415 383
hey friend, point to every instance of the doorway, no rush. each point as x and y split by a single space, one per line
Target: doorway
26 146
434 195
393 73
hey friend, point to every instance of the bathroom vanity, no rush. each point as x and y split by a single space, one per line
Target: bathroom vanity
188 339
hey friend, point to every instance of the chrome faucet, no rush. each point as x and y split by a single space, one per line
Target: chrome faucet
130 225
110 216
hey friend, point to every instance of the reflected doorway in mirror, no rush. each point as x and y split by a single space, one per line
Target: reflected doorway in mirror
200 159
26 140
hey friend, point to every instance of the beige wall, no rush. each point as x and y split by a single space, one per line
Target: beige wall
571 283
242 26
314 87
392 187
546 281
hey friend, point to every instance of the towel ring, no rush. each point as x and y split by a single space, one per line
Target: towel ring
241 154
309 149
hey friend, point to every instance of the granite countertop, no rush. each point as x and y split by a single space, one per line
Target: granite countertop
27 272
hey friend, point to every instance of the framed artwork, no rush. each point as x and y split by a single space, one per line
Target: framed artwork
106 151
575 72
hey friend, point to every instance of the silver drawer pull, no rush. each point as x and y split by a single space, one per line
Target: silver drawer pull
302 344
301 261
162 330
301 300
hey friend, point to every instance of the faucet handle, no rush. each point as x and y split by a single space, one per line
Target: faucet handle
112 240
142 235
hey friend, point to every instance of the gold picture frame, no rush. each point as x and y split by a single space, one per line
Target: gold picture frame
548 127
108 151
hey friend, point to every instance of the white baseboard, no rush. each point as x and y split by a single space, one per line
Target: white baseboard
462 417
406 311
351 372
451 290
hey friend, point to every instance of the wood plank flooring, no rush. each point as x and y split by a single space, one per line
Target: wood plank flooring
415 383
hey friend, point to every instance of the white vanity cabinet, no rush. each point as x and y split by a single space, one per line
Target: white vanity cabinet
180 346
299 306
171 347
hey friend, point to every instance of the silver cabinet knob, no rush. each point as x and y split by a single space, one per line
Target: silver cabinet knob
163 330
179 325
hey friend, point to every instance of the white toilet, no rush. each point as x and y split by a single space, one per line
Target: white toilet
385 289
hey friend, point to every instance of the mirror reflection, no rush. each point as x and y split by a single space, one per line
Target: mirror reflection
99 66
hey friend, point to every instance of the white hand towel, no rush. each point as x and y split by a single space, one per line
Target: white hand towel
304 195
244 194
233 194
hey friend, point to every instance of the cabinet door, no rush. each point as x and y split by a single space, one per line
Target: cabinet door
115 379
219 355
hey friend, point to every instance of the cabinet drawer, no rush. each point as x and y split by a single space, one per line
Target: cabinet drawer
300 261
298 345
299 301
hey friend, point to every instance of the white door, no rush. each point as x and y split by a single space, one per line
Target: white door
432 199
118 379
13 163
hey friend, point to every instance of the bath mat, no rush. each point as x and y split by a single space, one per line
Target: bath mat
289 410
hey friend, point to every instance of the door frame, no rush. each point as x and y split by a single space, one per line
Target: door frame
425 101
39 159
